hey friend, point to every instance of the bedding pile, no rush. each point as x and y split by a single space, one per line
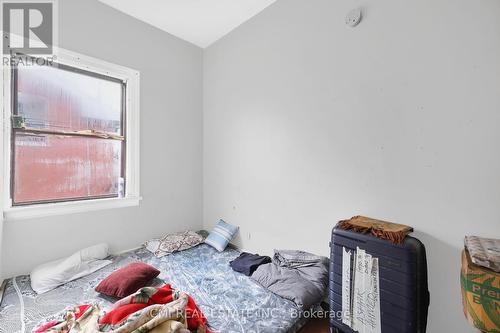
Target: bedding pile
150 309
231 302
298 276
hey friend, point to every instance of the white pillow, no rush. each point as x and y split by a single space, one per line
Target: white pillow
82 263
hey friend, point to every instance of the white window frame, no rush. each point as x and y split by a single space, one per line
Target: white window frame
132 197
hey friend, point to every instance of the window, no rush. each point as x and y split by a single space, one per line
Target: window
72 143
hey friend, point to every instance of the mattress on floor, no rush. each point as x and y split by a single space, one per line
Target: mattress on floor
231 301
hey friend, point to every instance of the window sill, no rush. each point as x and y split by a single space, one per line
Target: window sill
63 208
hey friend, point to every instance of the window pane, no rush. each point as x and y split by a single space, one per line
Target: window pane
54 167
59 99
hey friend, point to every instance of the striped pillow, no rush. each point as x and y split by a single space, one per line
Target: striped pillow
222 234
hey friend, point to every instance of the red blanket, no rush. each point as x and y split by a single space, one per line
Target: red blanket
143 298
149 296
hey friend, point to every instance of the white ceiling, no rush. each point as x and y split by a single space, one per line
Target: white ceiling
200 22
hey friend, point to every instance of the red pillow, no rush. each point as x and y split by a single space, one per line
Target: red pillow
127 280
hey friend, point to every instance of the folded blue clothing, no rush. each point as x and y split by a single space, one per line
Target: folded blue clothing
247 263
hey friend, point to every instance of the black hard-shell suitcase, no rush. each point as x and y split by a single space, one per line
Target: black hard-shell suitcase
404 294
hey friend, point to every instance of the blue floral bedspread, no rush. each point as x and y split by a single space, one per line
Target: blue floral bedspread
231 301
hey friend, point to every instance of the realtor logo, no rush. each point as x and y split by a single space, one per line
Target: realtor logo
28 27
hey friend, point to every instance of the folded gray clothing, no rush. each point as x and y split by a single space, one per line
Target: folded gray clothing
295 258
298 276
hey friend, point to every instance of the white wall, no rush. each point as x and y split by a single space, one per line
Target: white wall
171 141
308 121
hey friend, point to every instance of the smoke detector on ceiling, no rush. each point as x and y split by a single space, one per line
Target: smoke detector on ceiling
353 17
